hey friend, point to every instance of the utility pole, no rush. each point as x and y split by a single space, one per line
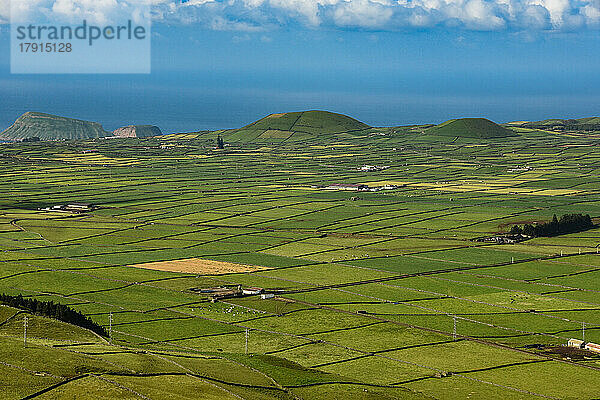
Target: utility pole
247 334
454 332
583 331
110 320
25 331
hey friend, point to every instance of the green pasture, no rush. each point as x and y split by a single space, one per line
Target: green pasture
368 284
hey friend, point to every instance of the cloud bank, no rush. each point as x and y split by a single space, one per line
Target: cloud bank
383 15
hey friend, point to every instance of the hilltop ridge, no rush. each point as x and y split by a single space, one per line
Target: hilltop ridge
137 131
51 127
290 126
296 125
309 121
479 128
589 124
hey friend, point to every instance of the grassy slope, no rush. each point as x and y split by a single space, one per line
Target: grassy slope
296 125
480 128
58 352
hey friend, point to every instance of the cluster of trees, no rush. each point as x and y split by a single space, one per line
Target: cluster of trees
220 142
568 223
574 125
31 139
53 310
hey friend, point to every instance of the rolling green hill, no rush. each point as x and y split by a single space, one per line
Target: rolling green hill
295 126
581 124
480 128
51 127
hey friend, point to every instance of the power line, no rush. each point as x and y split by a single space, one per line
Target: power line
454 331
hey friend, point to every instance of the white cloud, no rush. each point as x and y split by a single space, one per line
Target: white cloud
592 13
362 13
306 10
4 11
556 8
479 14
21 10
74 11
258 15
94 11
219 23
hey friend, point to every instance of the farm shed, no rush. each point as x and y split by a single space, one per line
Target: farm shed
71 207
252 290
348 186
79 207
576 343
593 347
372 168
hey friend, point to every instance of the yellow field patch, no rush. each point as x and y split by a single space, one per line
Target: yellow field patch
199 266
171 136
331 146
494 188
177 136
336 156
95 159
557 192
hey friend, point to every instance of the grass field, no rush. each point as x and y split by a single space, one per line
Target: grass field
377 294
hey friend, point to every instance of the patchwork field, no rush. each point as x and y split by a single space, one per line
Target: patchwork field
376 294
199 266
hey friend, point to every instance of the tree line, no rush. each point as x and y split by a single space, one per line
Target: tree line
568 223
53 310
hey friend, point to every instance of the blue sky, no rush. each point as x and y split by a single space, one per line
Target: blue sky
254 61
